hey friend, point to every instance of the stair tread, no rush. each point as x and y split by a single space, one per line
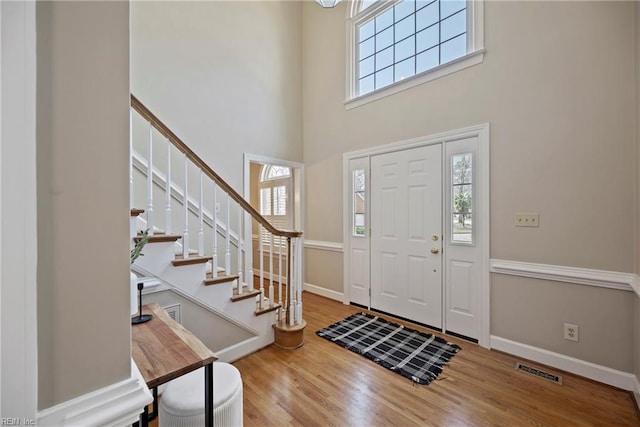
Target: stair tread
180 260
246 294
158 238
136 211
264 310
210 280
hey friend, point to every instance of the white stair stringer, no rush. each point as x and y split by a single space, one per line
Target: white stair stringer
189 280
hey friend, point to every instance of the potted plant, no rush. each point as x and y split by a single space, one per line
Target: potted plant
134 254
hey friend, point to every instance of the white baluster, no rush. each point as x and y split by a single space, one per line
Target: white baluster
300 280
167 208
240 248
150 182
214 261
227 255
287 274
201 218
280 271
292 280
271 269
185 201
261 254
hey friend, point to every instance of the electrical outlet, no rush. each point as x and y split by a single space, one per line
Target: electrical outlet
571 332
527 219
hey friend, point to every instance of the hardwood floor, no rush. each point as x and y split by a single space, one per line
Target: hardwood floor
322 384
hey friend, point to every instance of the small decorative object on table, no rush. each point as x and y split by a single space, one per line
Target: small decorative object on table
135 253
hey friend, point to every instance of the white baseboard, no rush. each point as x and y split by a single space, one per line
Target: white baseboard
324 292
115 405
636 391
603 374
236 351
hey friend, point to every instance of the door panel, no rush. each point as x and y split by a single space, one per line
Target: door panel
359 269
406 210
462 307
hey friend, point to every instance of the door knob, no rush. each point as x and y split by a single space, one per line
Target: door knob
435 251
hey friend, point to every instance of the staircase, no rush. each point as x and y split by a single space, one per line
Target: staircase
209 261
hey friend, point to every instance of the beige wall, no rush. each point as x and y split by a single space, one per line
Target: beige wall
560 107
82 156
214 331
538 318
637 212
225 76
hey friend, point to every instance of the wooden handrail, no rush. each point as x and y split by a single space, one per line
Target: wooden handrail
182 147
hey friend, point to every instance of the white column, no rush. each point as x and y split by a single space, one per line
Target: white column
261 254
214 261
271 237
131 158
300 279
149 210
240 248
185 202
201 217
167 208
280 270
227 254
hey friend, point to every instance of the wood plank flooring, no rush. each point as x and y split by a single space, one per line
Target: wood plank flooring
322 384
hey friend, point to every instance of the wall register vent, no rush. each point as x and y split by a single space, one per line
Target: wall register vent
539 373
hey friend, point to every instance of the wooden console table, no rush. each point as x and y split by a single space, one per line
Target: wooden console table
164 350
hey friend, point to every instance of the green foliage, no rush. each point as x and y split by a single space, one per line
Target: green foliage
137 249
462 204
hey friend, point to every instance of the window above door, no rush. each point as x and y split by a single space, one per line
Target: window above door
395 45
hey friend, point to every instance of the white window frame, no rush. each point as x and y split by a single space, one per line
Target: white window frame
474 56
271 183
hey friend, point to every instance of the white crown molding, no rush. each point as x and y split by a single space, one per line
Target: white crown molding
323 292
558 273
603 374
115 405
324 246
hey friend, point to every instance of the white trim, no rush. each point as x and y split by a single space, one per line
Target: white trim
237 351
323 246
452 135
299 198
458 64
483 201
323 292
115 405
18 194
603 374
636 390
166 286
559 273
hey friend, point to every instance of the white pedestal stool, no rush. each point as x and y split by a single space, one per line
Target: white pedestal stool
182 402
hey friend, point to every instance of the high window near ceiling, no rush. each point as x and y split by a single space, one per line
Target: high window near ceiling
398 44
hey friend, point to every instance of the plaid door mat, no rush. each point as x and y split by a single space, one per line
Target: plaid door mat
413 354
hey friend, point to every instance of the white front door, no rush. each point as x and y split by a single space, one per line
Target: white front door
406 231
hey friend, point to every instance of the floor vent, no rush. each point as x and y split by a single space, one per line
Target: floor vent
539 373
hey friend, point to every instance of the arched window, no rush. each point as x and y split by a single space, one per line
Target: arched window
398 44
276 204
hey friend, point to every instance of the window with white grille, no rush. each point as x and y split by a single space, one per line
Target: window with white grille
407 40
276 183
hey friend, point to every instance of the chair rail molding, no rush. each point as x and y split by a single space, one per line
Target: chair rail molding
324 246
559 273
